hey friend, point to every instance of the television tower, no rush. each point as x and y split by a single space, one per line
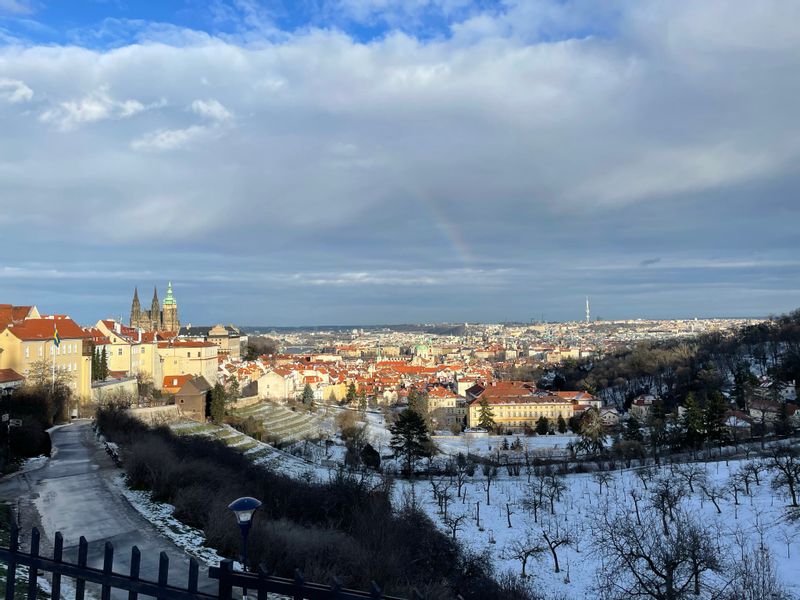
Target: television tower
587 309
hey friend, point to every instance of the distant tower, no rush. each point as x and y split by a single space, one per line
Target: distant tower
169 317
587 309
155 313
136 309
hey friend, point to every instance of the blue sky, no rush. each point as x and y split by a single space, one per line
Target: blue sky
384 161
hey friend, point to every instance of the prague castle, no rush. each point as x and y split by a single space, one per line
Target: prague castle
157 318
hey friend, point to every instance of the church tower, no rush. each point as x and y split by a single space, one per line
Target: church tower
155 313
136 309
169 317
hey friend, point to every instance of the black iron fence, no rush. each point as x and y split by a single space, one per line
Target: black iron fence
258 584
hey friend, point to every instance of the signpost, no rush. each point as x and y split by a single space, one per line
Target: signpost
5 417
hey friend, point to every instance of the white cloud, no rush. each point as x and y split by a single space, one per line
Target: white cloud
163 140
211 109
16 7
97 105
14 91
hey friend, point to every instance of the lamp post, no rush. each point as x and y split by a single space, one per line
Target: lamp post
244 508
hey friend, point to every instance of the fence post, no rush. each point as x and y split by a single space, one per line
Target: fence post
136 562
194 570
108 564
83 553
375 591
225 588
163 571
33 572
262 576
299 584
58 552
11 575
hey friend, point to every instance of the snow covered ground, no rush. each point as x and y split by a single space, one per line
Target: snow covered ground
582 502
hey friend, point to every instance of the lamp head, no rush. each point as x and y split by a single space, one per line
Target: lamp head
244 508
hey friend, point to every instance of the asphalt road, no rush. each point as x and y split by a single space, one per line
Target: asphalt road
73 492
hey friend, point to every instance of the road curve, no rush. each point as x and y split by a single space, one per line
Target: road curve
74 492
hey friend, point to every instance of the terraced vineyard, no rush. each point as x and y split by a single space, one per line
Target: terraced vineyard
259 452
284 426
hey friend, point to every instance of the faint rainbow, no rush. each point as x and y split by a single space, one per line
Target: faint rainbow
451 232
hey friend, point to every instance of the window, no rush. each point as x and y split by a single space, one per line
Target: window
141 350
188 355
198 355
119 352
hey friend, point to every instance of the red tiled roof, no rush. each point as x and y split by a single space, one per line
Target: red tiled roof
43 329
9 375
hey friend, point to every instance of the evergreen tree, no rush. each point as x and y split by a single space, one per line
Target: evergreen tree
95 364
632 431
783 425
308 395
743 384
692 422
103 371
485 415
351 394
714 417
233 389
410 440
561 424
216 408
362 401
505 445
543 425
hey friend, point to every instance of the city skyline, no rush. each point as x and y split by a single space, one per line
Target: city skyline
352 162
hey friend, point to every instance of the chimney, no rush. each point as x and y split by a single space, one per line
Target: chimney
117 327
139 334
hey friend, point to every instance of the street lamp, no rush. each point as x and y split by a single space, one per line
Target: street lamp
244 508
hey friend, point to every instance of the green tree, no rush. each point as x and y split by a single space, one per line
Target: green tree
216 408
95 364
351 394
362 401
743 384
692 422
561 424
632 431
543 425
714 417
410 440
103 371
308 395
233 389
485 415
593 432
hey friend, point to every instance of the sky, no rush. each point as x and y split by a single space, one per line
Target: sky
307 162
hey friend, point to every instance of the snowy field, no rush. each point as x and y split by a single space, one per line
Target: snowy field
737 526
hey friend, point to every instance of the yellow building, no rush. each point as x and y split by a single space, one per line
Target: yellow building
188 358
132 351
516 405
28 347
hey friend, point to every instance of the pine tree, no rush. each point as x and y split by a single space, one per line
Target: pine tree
103 365
351 394
561 424
308 395
95 365
692 422
217 405
632 431
714 417
592 432
543 425
485 415
362 401
410 440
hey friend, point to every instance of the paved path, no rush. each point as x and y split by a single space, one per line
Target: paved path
74 493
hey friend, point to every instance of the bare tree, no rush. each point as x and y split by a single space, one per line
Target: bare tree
455 523
784 461
645 475
602 478
464 467
556 535
756 467
715 493
691 473
665 497
489 470
523 549
647 562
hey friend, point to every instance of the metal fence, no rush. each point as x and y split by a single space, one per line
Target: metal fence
259 584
